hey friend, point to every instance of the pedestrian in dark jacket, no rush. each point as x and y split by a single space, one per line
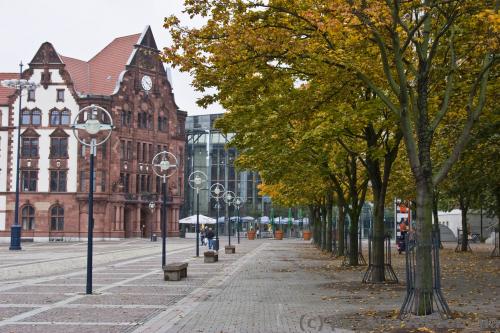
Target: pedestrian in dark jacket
210 236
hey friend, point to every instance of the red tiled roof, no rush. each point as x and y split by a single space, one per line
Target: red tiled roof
6 92
79 71
100 74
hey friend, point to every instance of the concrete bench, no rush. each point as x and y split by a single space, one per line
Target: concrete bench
230 249
175 271
211 256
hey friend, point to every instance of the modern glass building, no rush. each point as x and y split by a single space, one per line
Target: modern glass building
207 151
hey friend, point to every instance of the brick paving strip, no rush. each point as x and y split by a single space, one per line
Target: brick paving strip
129 290
166 320
22 309
18 319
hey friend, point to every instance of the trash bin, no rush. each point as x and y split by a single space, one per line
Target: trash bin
154 238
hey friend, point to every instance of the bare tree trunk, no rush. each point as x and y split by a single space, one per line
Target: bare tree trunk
378 257
437 230
353 238
323 226
314 224
423 276
464 207
329 221
341 228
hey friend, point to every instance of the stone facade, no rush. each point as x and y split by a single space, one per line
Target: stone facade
147 121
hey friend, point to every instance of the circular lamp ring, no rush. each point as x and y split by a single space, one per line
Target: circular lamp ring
92 125
238 202
217 191
196 180
164 164
229 197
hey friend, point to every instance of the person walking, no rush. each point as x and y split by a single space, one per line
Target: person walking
210 236
202 236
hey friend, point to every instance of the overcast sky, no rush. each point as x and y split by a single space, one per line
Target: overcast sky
80 29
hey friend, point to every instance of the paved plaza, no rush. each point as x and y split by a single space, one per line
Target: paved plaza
267 286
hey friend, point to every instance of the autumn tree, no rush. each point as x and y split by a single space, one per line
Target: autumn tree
403 51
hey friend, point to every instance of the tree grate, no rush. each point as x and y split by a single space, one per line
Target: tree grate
433 300
389 274
347 249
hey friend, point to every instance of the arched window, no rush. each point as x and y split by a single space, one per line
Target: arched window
26 117
57 218
65 117
55 117
36 117
28 217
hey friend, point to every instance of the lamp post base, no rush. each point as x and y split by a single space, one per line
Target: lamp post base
15 237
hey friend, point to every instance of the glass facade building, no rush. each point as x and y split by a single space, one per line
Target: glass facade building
207 151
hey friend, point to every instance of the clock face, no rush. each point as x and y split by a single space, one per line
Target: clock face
146 83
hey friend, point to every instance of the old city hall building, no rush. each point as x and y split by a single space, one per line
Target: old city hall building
128 79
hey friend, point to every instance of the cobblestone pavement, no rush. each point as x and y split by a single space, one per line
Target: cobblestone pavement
42 287
267 286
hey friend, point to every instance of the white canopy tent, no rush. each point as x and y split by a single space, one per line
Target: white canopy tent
192 220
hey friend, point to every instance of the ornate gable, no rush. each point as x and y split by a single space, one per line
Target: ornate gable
146 55
59 133
45 55
30 133
148 39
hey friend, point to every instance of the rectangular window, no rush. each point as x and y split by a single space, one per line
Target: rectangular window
29 179
125 181
144 152
82 181
139 155
103 181
124 118
57 181
58 147
31 95
143 183
123 149
158 184
129 150
29 147
104 150
60 95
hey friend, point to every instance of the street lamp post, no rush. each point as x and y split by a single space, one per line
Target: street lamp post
229 199
217 192
237 203
196 180
89 120
164 168
19 84
152 206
